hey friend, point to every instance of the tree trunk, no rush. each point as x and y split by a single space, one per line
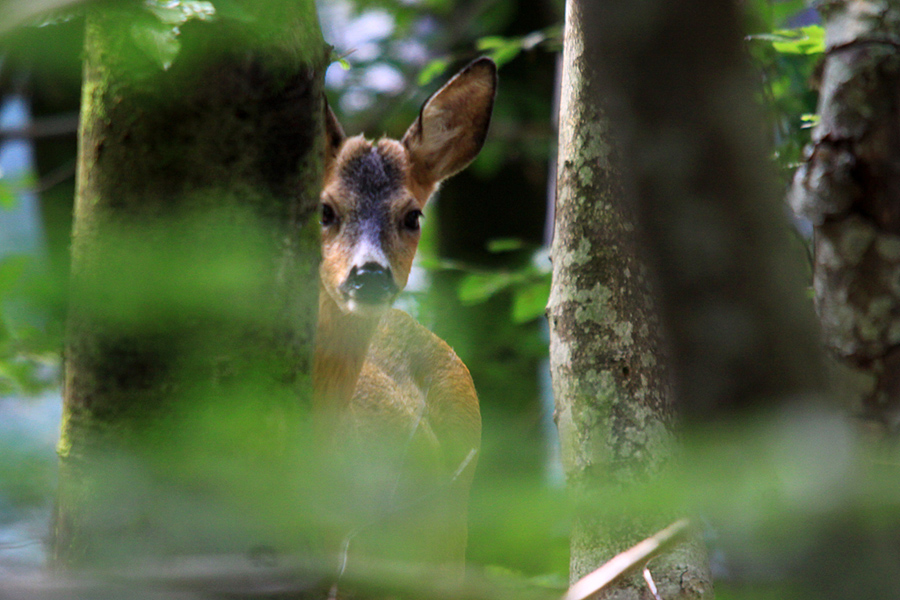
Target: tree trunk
612 387
742 335
194 269
849 189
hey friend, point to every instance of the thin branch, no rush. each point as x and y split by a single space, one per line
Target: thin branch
55 126
20 545
56 177
648 579
626 562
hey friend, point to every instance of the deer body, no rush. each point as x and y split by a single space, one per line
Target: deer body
392 398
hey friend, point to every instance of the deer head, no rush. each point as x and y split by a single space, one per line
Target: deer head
374 192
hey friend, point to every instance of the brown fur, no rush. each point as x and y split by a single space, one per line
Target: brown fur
392 399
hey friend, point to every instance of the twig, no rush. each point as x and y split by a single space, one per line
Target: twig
20 545
55 177
648 579
627 561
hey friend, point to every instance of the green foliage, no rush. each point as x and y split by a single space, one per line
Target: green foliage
504 49
29 341
766 15
804 40
809 120
760 482
501 50
158 41
529 285
786 61
434 69
7 197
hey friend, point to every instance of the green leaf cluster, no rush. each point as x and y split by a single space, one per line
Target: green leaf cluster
29 340
529 287
504 49
802 40
786 60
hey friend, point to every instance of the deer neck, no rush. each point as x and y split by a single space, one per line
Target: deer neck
342 342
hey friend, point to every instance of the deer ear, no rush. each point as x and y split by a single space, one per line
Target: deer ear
334 135
452 124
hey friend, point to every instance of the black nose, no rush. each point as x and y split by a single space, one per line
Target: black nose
370 284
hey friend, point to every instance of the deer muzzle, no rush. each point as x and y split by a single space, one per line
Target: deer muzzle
370 284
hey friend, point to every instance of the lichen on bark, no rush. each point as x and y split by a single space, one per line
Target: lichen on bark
848 187
614 408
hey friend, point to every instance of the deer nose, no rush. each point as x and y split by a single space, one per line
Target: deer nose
370 284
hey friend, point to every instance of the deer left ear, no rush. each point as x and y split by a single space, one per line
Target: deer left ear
452 124
334 135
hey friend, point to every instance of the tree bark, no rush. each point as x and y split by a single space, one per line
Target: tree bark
613 391
743 338
849 188
194 269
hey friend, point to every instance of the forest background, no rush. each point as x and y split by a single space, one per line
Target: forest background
483 275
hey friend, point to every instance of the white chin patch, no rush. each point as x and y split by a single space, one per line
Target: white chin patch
365 310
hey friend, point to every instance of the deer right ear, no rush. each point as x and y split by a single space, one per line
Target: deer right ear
453 123
334 135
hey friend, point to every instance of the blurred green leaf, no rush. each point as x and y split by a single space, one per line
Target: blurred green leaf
530 300
504 49
771 15
809 120
11 269
478 287
7 197
500 49
158 41
433 70
492 42
229 9
505 244
529 284
803 40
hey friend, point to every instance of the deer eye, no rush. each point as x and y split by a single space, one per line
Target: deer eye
411 220
328 215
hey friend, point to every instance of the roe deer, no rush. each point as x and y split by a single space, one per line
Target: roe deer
400 406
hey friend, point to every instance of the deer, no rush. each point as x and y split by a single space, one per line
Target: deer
392 398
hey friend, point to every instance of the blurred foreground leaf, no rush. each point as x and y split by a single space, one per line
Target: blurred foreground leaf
7 196
14 13
158 41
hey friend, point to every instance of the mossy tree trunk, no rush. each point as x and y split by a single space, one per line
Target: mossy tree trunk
194 269
671 81
849 189
613 392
